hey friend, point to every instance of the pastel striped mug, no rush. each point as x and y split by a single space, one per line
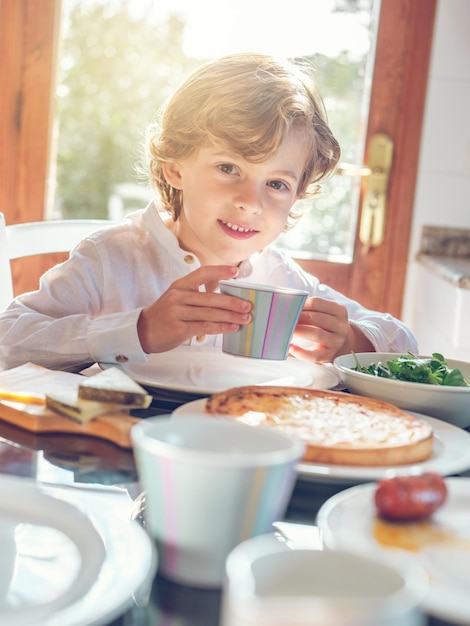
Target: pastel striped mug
275 313
210 484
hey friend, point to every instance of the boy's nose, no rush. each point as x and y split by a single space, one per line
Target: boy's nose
249 198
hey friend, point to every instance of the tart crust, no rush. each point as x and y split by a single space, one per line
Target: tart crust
338 428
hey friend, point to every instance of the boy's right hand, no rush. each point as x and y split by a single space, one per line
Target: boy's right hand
183 311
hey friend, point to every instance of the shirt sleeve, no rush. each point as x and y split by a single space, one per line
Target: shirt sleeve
385 332
65 324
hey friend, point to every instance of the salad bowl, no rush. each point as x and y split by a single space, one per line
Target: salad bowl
448 403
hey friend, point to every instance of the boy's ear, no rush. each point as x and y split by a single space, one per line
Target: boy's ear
172 174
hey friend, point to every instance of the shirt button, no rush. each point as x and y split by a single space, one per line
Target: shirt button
121 358
189 259
244 269
200 338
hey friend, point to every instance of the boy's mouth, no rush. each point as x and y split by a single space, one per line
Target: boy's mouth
237 231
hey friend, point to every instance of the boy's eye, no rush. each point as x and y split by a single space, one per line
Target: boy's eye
277 184
227 168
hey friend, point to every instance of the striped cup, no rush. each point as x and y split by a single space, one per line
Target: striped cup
210 484
274 315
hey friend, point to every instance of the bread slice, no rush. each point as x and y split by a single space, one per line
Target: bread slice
67 403
337 428
113 385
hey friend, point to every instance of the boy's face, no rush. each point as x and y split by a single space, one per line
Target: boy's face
233 207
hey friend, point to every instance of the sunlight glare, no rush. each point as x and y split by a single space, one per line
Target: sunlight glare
217 28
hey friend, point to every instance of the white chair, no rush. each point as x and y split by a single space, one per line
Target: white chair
31 238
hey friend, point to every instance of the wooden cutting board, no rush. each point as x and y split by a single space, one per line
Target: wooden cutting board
38 418
71 451
113 427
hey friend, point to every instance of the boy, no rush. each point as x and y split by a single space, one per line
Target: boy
239 142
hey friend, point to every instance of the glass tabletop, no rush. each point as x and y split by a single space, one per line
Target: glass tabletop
84 461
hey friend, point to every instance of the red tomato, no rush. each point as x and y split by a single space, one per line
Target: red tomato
410 497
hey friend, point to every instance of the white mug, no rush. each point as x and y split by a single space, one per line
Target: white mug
211 483
270 584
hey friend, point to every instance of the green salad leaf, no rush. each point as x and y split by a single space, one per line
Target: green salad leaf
431 371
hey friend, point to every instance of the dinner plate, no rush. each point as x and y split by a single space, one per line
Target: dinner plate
450 455
442 543
202 371
63 556
50 553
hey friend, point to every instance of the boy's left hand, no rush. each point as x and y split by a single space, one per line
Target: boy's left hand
326 324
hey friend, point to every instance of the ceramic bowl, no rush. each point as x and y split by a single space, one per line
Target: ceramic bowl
451 404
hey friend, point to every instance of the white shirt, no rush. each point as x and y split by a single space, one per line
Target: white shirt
86 309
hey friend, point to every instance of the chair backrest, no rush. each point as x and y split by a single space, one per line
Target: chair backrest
31 238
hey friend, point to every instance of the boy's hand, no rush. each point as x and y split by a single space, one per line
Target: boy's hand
326 324
183 311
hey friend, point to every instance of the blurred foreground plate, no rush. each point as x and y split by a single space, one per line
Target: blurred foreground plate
202 371
450 455
63 556
442 543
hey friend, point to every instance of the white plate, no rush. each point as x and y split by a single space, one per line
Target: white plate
50 552
62 557
347 521
203 371
450 455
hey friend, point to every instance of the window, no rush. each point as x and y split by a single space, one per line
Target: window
121 58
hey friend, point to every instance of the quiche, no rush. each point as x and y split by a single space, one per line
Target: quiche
337 428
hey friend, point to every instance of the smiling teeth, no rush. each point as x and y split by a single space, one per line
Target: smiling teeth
238 228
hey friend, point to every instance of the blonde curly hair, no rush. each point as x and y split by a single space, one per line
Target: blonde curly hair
246 103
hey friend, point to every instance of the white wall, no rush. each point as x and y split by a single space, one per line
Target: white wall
443 185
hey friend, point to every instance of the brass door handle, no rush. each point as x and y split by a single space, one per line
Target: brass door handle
374 204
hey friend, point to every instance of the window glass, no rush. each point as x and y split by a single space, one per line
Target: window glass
120 59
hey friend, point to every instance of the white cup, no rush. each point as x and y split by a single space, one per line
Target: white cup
211 483
270 584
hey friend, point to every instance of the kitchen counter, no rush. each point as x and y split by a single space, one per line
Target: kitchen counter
455 270
446 252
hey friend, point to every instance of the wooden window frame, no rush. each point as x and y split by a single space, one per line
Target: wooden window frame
29 49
